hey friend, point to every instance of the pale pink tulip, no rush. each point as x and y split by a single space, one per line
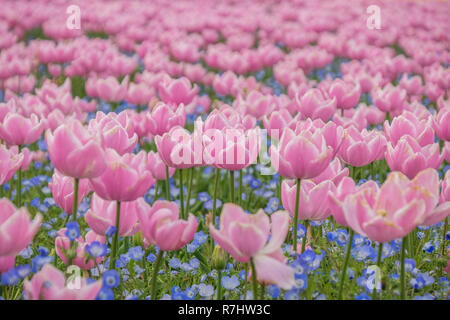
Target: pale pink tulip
245 236
16 228
161 226
102 215
125 177
50 284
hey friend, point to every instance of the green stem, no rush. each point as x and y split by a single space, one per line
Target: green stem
156 191
240 187
167 184
155 273
297 204
75 198
216 182
112 258
219 285
402 271
180 174
380 252
246 281
188 200
444 247
254 283
231 186
344 269
66 220
305 237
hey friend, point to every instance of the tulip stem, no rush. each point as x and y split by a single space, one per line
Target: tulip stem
297 203
155 273
344 269
66 220
180 174
240 187
19 183
245 281
156 192
112 259
167 184
254 283
444 247
402 270
75 198
380 252
216 182
231 186
305 237
188 200
219 285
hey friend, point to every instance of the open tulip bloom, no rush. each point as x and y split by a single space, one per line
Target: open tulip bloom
224 150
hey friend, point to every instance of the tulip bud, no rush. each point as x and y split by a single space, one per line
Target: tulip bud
137 239
219 258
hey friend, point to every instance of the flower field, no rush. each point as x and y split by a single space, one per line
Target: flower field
224 150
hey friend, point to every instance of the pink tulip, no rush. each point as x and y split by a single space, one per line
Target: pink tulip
389 98
301 156
163 118
18 130
373 115
346 187
7 263
125 178
10 162
226 84
347 93
102 215
361 148
278 120
386 213
50 284
75 152
445 188
57 118
333 133
180 149
442 124
316 104
157 167
115 131
441 104
139 94
227 117
408 124
426 186
63 243
255 104
108 89
413 85
232 149
8 107
446 151
161 226
312 205
335 172
62 188
410 158
244 236
27 157
177 91
16 228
